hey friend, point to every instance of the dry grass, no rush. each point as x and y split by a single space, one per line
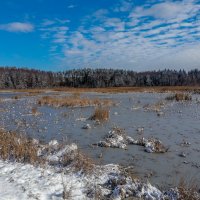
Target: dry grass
17 97
159 89
34 111
179 97
188 191
17 148
79 161
156 107
73 101
101 114
83 162
34 93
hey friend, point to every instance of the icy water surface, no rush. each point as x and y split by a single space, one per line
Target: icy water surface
180 122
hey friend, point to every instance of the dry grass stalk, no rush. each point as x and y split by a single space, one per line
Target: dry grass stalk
101 114
18 148
72 101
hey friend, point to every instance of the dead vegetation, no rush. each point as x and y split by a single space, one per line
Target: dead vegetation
188 191
152 145
16 97
18 148
35 92
154 107
73 101
83 163
101 114
34 111
179 97
160 89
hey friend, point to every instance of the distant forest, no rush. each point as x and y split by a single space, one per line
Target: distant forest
21 78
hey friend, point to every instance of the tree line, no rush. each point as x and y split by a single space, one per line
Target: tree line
21 78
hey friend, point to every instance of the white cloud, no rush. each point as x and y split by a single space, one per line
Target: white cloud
17 27
124 5
163 34
169 10
48 22
71 6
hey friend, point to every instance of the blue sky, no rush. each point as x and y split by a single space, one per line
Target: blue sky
129 34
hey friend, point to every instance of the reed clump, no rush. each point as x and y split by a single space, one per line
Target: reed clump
101 114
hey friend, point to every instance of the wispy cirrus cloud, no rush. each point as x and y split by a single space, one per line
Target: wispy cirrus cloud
17 27
55 31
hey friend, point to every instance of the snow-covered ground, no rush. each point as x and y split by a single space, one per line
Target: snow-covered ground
24 181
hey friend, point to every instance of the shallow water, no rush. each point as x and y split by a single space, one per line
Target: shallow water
181 121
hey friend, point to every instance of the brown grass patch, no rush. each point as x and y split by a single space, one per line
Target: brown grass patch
83 162
188 191
101 114
17 148
79 162
179 97
35 111
160 89
73 101
16 97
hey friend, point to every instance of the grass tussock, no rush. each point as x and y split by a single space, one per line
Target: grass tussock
18 148
16 97
179 97
34 111
73 101
101 114
83 162
188 191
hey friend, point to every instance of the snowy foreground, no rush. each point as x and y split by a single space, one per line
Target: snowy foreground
24 181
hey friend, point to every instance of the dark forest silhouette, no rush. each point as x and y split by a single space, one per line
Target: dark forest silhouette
17 78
